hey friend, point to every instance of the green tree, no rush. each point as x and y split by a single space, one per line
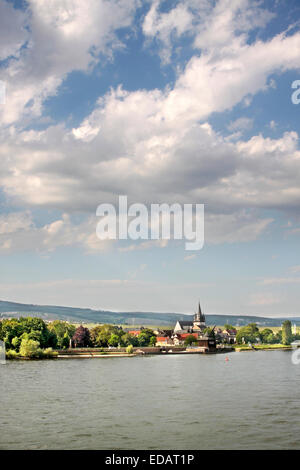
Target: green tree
248 333
94 333
15 342
113 340
145 336
190 340
267 336
9 330
101 335
63 332
127 339
65 343
129 349
17 327
287 332
37 329
30 348
278 336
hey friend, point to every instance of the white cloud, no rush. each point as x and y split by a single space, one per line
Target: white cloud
12 30
163 26
15 222
241 226
164 149
228 24
242 123
212 26
19 233
64 36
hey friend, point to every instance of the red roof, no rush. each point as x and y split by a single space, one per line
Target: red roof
162 339
134 332
185 335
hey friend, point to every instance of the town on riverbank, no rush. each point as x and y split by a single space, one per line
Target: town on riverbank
34 338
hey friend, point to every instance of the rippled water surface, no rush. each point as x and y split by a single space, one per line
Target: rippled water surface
157 402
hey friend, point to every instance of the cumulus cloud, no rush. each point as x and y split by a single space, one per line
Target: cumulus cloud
20 233
64 36
153 145
152 160
211 26
241 226
13 33
164 26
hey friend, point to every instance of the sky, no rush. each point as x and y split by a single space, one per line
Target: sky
185 102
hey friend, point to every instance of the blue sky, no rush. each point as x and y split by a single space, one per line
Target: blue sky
164 101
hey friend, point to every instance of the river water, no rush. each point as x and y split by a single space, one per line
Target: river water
155 402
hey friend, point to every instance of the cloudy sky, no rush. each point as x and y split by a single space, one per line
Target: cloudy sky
183 101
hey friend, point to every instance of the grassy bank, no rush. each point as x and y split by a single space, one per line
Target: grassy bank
257 347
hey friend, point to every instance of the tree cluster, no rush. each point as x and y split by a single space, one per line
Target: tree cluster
32 337
252 334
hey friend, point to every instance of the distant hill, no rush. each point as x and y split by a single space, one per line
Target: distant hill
86 315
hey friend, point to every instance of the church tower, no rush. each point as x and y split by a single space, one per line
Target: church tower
199 319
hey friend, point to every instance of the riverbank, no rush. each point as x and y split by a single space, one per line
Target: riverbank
89 353
262 347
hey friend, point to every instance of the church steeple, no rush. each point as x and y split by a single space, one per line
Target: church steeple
199 317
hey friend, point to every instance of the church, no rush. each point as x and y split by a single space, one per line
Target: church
196 328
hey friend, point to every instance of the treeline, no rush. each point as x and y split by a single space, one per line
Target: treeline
32 337
252 334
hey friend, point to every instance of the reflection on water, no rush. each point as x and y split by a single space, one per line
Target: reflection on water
158 402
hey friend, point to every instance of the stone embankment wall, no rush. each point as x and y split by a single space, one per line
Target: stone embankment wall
117 351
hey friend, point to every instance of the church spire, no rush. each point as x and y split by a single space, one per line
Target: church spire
199 317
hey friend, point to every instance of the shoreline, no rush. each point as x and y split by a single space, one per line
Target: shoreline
123 355
282 348
142 352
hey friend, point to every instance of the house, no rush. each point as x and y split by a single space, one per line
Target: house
179 339
163 341
229 335
207 343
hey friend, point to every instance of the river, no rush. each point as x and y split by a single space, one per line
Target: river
155 402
